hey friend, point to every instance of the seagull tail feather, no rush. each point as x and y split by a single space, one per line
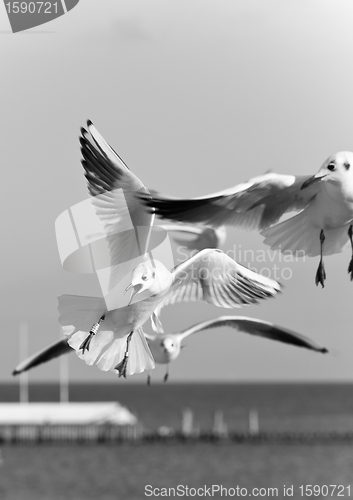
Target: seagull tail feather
106 351
107 347
140 357
77 312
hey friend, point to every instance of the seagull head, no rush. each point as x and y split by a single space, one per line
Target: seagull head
171 346
336 170
151 276
165 348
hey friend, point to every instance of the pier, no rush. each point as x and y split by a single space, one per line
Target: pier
111 430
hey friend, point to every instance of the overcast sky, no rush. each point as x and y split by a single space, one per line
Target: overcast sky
196 96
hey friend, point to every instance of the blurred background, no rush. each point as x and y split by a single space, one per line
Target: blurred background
195 96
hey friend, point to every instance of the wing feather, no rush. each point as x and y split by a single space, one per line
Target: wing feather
256 327
113 188
256 204
212 276
43 356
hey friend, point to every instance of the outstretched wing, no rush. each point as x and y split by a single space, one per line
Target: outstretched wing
256 204
113 188
43 356
256 327
214 277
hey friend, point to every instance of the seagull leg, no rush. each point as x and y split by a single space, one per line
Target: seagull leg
148 379
321 274
121 367
166 374
86 343
350 267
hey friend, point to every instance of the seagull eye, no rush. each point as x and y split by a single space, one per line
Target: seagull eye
144 277
331 167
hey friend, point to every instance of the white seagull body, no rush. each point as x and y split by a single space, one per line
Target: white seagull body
325 202
105 337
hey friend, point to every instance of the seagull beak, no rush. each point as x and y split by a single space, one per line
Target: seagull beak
136 290
313 180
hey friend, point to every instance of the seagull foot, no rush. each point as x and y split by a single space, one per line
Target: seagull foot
165 377
350 268
86 343
121 367
320 275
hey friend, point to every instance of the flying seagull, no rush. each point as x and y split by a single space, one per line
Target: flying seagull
167 347
106 337
324 201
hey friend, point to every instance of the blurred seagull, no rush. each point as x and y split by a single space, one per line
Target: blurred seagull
105 338
166 347
321 227
206 237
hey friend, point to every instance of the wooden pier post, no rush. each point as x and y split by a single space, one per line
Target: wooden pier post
254 426
187 422
219 428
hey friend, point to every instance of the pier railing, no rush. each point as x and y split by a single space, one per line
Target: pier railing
105 434
95 433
